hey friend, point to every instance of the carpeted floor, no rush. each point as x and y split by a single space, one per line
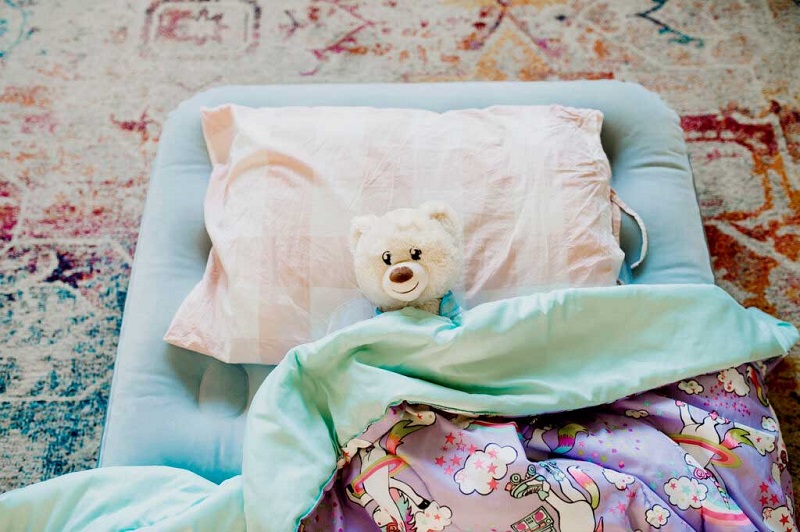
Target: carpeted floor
85 87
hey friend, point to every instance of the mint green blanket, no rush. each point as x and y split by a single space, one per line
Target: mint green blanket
559 351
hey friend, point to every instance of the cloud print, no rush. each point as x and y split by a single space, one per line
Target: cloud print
733 382
769 423
620 480
685 492
657 516
779 519
484 468
691 387
764 443
433 518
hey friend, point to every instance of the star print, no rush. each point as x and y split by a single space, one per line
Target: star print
455 460
448 471
472 449
493 484
621 507
461 447
493 453
763 487
492 468
444 448
763 500
437 517
478 464
440 460
774 499
785 520
450 438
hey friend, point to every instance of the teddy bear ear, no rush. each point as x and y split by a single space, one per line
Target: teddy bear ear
358 226
445 215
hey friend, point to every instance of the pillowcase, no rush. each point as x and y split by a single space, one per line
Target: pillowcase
531 183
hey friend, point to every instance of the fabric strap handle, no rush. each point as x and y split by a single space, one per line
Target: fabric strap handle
633 214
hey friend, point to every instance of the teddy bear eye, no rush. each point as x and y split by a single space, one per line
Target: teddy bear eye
387 258
415 253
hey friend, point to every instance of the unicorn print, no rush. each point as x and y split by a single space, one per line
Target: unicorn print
575 509
702 440
706 447
398 506
566 437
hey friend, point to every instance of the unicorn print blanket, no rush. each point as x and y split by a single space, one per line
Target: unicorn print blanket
652 461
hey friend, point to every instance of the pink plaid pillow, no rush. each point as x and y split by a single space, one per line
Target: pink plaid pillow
532 185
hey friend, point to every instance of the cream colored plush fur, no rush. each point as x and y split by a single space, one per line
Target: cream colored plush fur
423 249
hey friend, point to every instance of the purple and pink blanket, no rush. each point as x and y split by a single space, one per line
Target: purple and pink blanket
702 453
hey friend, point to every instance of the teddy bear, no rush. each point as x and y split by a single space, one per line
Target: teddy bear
408 257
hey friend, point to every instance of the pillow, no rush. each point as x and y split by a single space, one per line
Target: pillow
531 183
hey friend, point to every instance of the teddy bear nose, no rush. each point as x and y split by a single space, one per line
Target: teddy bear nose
401 274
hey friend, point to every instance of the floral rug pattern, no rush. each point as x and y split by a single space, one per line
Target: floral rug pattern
85 87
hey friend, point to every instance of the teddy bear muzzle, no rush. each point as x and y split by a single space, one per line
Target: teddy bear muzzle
405 281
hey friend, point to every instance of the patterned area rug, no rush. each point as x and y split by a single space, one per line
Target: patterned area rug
85 87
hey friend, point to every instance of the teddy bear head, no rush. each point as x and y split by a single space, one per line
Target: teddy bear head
407 257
